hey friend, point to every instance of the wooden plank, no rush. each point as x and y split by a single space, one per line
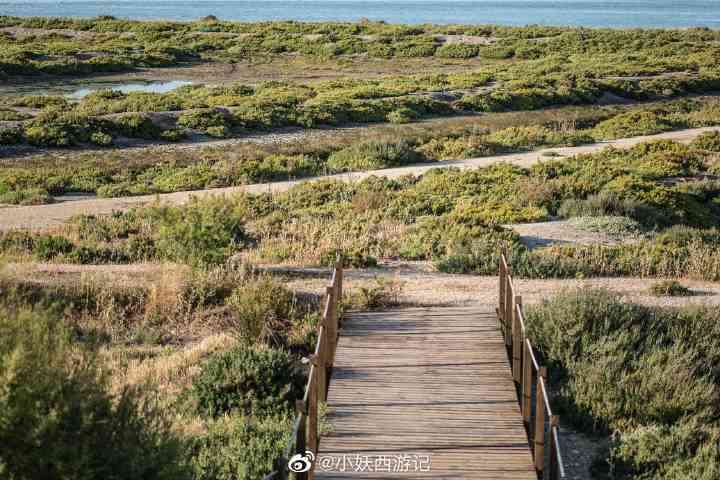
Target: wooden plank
430 383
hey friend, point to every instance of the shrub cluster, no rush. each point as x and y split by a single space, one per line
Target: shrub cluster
449 216
56 409
649 375
127 173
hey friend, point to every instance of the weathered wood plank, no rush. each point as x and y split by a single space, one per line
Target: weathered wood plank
424 384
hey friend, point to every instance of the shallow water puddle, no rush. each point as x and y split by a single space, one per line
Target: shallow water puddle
150 87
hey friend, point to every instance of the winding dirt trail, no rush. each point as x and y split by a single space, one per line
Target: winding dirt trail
41 217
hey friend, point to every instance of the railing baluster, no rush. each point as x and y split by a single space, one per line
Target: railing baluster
540 421
330 322
516 343
501 302
312 434
300 435
553 466
526 385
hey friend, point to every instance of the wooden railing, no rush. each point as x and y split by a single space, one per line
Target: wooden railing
305 434
542 426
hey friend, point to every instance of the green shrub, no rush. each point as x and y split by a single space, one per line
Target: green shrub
610 204
239 448
173 135
663 451
645 374
669 288
101 139
56 410
614 226
402 115
709 141
457 50
55 127
12 116
220 131
28 196
247 380
11 136
372 155
202 232
47 247
631 124
136 125
203 119
414 49
385 293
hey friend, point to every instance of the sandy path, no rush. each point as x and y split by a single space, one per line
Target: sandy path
427 288
421 284
44 216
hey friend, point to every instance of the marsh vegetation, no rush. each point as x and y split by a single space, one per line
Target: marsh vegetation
178 334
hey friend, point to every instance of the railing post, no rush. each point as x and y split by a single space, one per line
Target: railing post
527 385
554 423
331 324
501 306
540 421
517 342
300 444
321 364
339 278
312 434
508 310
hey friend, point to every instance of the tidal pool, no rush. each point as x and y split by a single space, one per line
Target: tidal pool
127 87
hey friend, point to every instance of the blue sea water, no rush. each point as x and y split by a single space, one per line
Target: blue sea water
591 13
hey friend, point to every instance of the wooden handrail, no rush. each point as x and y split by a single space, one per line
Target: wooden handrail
524 364
305 433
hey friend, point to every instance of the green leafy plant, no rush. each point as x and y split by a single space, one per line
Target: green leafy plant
56 408
247 380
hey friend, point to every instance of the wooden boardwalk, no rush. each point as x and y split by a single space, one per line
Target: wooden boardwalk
423 393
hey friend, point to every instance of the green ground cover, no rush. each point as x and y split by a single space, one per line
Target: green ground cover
527 68
67 348
648 376
447 215
72 46
123 173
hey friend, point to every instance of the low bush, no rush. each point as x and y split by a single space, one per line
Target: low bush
457 50
28 196
136 125
648 375
618 227
7 115
248 380
260 308
372 155
11 136
385 293
402 115
610 204
56 408
47 247
203 232
631 124
204 119
669 288
173 135
240 448
709 141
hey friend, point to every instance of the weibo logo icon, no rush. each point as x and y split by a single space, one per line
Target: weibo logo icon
301 463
